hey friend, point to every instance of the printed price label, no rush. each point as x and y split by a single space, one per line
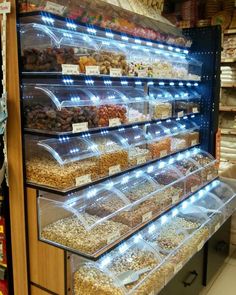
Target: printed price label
141 160
165 115
82 180
70 69
194 188
178 267
193 142
195 110
54 8
114 169
114 122
92 70
146 217
115 72
217 227
163 153
175 199
200 246
142 73
180 114
5 7
113 237
209 177
80 127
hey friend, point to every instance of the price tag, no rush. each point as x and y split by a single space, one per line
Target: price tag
195 110
163 153
142 73
141 160
54 8
193 142
209 177
180 114
178 267
165 116
114 169
113 237
200 246
175 199
114 122
70 69
82 180
115 72
194 188
146 217
92 70
5 7
217 227
79 127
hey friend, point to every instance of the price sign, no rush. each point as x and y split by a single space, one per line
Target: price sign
70 69
114 169
80 127
82 180
115 72
141 160
114 122
92 70
54 8
5 7
146 217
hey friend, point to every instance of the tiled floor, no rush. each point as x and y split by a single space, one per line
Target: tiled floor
225 282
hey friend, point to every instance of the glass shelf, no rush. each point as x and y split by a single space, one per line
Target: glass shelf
171 241
66 163
128 202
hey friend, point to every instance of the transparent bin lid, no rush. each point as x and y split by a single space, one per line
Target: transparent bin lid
156 131
133 258
187 166
203 158
67 150
134 136
158 94
76 96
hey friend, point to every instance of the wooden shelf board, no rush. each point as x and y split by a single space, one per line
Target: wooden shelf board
228 108
228 85
228 131
228 60
230 31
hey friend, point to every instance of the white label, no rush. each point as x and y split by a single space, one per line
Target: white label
142 73
92 70
146 217
200 246
113 237
194 188
114 122
165 116
54 8
178 267
80 127
163 153
70 69
114 169
141 160
193 142
82 180
175 199
217 227
5 7
209 177
180 114
115 72
195 110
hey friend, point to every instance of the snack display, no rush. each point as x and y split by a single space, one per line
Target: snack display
113 17
160 148
92 55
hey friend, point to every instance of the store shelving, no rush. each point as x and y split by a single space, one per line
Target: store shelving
228 108
116 135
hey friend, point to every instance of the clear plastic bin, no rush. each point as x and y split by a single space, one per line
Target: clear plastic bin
58 109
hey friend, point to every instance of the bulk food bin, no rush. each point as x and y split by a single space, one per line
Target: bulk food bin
137 140
98 55
65 163
54 108
174 238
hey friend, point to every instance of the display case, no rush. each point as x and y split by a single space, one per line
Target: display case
172 240
55 109
172 101
55 48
